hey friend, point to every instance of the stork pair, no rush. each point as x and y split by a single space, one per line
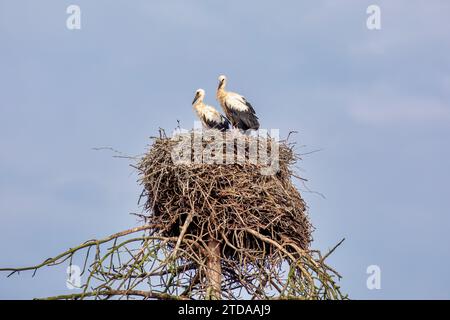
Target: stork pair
238 111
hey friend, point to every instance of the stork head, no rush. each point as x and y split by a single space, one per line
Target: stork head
199 94
222 81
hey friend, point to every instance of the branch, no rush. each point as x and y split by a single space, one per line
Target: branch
71 251
331 251
122 293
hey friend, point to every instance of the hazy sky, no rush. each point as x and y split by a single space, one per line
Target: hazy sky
377 103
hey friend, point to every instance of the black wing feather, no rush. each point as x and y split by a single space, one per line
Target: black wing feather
250 107
244 120
222 126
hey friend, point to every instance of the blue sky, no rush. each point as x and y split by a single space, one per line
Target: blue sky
377 103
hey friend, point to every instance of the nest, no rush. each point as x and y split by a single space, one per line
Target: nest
233 203
239 221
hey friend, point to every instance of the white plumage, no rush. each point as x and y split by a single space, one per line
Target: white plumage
236 107
208 115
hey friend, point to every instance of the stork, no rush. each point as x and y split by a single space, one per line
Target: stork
236 107
208 115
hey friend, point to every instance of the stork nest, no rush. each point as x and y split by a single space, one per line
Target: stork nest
207 190
225 202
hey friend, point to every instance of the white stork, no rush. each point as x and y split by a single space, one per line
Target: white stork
236 107
210 117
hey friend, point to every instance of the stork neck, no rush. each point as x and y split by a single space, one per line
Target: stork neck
221 86
198 105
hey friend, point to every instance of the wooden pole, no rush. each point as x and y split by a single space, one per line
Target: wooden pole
214 271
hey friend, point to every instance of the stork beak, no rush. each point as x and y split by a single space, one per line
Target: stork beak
195 98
